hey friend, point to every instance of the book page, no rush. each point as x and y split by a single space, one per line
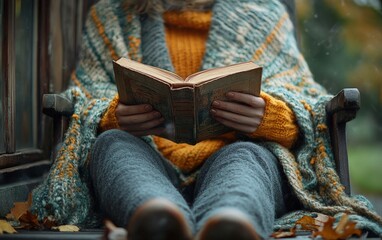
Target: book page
153 72
245 82
214 73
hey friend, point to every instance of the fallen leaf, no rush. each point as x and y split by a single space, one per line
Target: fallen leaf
327 231
342 224
309 223
344 229
5 227
350 230
321 217
284 234
66 228
49 223
9 217
112 232
19 209
322 225
30 221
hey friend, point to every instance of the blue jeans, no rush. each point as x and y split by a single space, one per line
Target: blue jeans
126 172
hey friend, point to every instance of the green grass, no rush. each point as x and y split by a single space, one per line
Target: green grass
365 166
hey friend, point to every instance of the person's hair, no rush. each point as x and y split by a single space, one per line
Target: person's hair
157 6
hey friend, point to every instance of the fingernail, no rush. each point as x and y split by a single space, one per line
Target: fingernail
213 111
230 94
157 114
147 107
215 103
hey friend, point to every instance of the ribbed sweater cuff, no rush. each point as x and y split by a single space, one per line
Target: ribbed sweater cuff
109 120
278 123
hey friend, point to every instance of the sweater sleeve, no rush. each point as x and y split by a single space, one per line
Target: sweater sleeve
278 123
109 120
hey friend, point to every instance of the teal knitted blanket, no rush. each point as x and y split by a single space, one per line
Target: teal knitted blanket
257 30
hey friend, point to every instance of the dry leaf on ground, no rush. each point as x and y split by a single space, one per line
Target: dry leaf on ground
30 221
113 232
5 227
19 209
344 229
66 228
284 234
323 226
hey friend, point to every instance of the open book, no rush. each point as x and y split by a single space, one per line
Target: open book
185 103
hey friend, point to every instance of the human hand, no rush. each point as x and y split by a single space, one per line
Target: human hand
139 120
242 112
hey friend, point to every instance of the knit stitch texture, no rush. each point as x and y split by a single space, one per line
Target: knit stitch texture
257 30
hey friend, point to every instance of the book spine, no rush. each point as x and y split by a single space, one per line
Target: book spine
183 114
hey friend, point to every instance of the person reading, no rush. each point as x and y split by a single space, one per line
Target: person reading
274 166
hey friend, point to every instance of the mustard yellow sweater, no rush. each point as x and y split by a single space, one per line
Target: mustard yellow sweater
186 34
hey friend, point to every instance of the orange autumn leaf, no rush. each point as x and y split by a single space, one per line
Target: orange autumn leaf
309 223
323 226
350 230
19 209
344 229
284 234
342 224
327 231
30 221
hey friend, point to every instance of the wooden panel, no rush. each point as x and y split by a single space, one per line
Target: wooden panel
2 138
67 20
19 158
8 74
43 73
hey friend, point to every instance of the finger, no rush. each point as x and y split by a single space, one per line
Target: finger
143 126
138 118
233 117
247 99
237 126
238 108
126 110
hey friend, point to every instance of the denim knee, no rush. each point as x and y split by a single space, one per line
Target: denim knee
253 151
110 136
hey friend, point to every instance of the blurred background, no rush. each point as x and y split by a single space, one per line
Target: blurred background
342 43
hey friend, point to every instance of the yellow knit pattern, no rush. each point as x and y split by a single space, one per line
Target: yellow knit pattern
278 124
109 120
186 33
189 157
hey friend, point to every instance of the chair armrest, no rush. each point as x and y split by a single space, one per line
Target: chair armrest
57 105
341 109
60 109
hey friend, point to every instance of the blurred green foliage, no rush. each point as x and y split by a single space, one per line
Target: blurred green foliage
365 169
342 43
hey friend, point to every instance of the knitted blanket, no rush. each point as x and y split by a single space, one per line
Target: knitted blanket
257 30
